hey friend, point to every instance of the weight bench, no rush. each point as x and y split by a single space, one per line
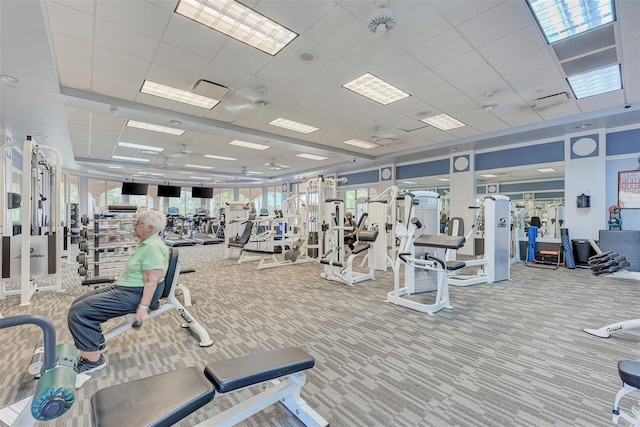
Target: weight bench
171 285
629 372
165 399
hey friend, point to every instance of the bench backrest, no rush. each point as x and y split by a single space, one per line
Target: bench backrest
172 273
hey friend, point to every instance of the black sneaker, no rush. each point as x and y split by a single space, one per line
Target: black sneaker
103 345
86 366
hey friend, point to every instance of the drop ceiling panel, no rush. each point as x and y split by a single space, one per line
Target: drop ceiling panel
483 121
630 27
170 77
224 75
440 93
120 62
441 48
281 73
243 57
79 82
115 79
420 23
461 66
68 66
372 52
525 64
70 22
422 82
607 100
71 47
139 16
125 41
504 19
340 71
399 68
557 111
463 10
480 79
197 39
112 91
631 49
177 59
351 31
516 44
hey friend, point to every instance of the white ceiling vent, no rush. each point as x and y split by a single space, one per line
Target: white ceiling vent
548 101
382 20
209 89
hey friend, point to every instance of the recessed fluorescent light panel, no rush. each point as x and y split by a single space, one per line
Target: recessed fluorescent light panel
251 145
140 146
211 156
116 167
489 175
546 170
131 159
443 122
362 144
238 21
561 19
311 156
200 177
376 89
443 179
178 95
291 125
188 165
596 82
155 128
149 173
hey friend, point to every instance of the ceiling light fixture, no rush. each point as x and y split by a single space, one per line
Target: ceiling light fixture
311 156
545 170
443 122
443 179
200 177
291 125
212 156
155 128
489 175
583 126
251 145
238 21
178 95
561 19
131 159
362 144
375 89
140 146
189 165
596 82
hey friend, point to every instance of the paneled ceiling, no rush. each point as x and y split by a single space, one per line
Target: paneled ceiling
81 65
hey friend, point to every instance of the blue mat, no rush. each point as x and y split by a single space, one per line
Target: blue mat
569 262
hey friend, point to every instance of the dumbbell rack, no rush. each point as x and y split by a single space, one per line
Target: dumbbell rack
108 243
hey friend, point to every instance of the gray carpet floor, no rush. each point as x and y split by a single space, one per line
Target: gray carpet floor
508 354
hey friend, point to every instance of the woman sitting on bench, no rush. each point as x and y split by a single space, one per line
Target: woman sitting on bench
134 292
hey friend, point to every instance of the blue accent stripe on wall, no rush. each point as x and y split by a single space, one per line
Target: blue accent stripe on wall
436 167
530 155
532 186
624 142
361 177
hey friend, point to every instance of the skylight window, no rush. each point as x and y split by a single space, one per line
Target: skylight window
311 156
561 19
155 128
251 145
291 125
376 89
443 122
362 144
140 147
178 95
238 21
595 82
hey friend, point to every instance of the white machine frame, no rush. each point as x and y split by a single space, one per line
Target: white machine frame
607 330
495 265
382 211
33 158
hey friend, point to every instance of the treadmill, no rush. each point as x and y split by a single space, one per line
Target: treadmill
201 218
172 238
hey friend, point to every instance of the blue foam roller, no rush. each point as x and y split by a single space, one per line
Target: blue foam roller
568 250
531 247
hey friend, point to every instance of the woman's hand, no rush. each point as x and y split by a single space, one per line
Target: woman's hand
142 314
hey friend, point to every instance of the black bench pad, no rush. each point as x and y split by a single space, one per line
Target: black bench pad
629 372
158 400
232 374
98 280
456 266
187 270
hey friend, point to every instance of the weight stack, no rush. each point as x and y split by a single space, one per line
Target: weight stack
568 250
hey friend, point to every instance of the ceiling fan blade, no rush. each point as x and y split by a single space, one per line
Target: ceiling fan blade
239 108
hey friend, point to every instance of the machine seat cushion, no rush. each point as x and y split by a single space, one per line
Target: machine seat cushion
440 241
98 280
455 266
360 248
327 261
232 374
368 236
159 400
629 372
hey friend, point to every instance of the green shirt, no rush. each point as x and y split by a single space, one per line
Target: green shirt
151 254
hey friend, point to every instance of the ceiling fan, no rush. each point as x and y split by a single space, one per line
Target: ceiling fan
252 99
276 166
245 171
377 136
166 163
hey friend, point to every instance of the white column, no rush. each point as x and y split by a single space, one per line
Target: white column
463 194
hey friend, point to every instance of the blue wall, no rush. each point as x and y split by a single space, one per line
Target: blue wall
531 155
416 170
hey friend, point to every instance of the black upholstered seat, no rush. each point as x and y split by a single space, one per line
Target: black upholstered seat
629 372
